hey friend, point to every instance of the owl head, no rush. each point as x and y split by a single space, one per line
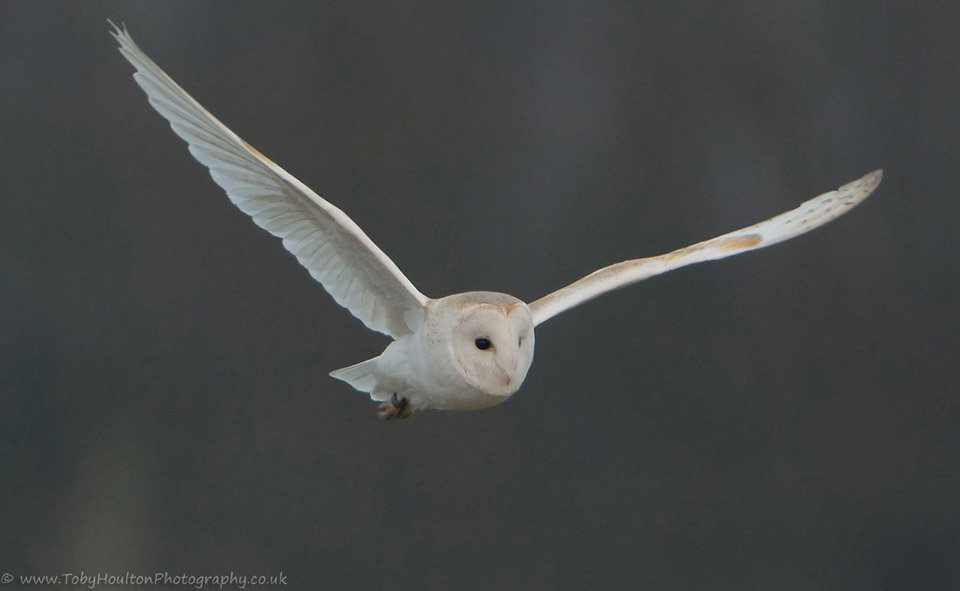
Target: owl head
490 340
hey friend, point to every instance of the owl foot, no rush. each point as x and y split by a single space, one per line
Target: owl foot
395 408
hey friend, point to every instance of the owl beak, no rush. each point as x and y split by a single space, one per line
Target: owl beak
507 371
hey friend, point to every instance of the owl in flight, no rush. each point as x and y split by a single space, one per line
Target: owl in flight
461 352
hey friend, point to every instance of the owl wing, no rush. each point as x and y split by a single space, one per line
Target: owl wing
335 251
812 214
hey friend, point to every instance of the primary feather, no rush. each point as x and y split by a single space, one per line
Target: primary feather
335 251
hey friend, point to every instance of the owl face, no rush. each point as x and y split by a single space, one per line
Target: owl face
491 343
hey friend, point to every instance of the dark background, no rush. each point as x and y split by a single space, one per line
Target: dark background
787 419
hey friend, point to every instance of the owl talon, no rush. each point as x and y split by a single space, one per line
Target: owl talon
395 408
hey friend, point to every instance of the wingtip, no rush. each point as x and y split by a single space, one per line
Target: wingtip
872 179
118 32
864 185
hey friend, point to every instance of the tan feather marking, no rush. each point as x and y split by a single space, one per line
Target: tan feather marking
502 302
733 243
257 153
739 242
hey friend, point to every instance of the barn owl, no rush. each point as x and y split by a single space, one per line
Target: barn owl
461 352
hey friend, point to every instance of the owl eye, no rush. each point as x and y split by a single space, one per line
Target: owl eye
482 343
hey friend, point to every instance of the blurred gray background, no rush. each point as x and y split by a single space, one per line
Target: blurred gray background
787 419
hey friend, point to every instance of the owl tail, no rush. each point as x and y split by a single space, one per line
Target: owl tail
360 376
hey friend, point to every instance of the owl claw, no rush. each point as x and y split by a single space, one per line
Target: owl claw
395 408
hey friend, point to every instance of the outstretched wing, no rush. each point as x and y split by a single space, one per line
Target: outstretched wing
329 244
812 214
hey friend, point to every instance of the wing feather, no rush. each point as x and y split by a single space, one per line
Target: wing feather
335 251
811 214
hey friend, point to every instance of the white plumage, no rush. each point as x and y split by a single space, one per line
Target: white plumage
325 241
461 352
809 215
